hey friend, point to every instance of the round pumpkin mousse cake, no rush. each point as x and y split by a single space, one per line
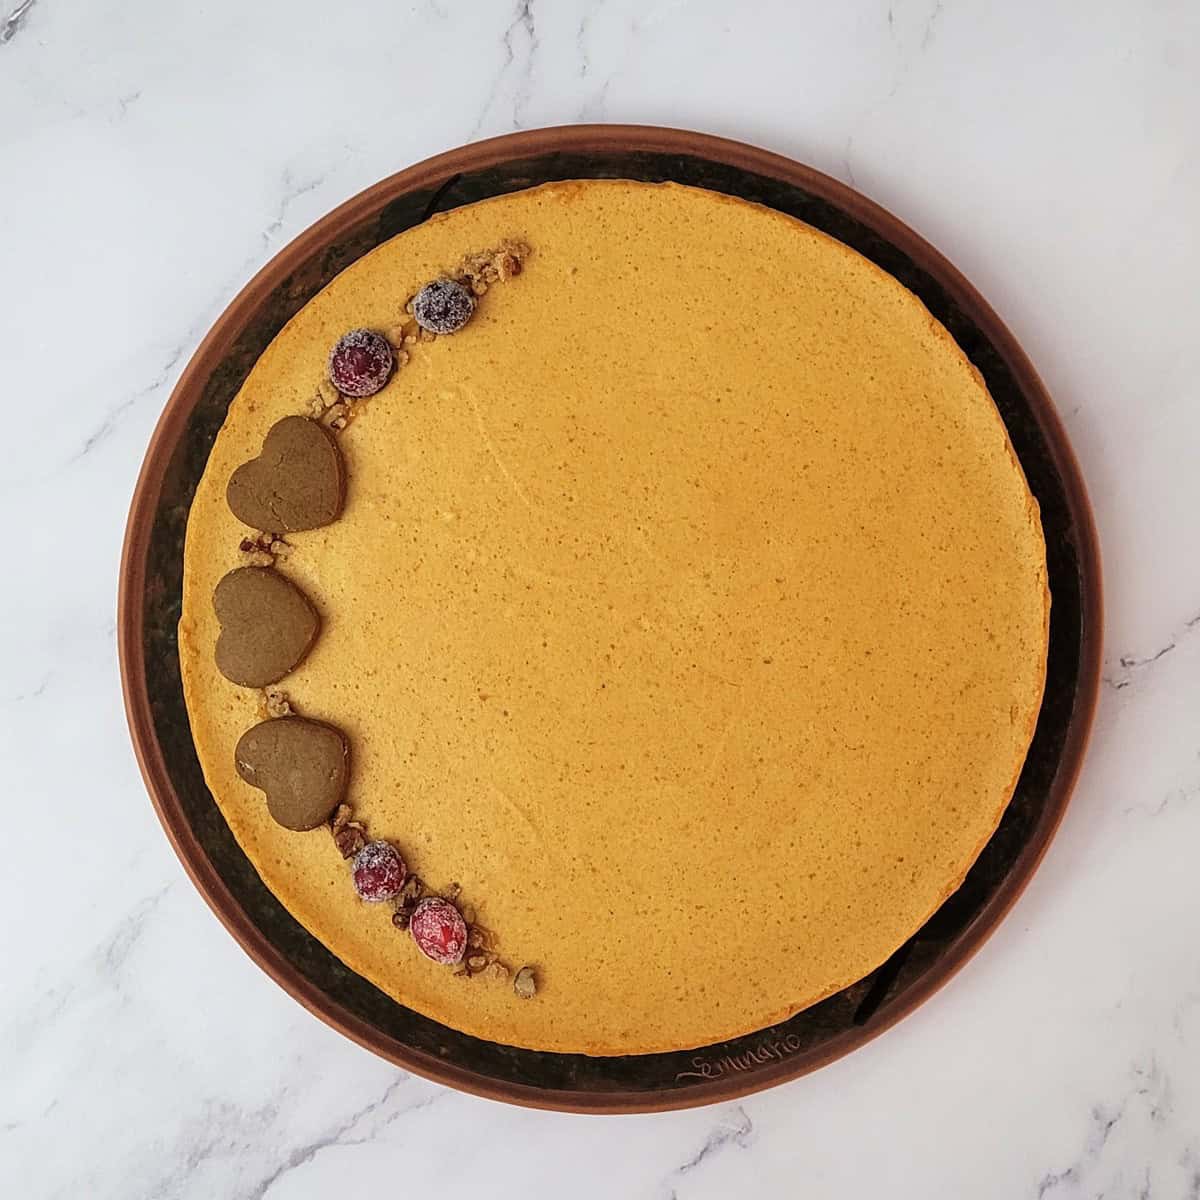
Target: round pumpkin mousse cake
614 617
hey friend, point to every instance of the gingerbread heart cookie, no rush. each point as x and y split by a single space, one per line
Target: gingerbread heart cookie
301 765
297 482
268 625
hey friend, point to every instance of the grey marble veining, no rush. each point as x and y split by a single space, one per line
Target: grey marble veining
10 26
154 156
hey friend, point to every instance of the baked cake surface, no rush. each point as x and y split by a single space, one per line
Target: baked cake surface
688 608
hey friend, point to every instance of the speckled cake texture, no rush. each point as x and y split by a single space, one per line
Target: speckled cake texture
688 608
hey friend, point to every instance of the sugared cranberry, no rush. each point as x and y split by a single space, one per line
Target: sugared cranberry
443 306
379 871
439 930
360 363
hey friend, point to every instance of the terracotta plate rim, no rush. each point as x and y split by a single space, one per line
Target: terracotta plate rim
585 139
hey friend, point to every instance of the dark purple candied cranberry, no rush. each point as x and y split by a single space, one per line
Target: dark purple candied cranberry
379 872
360 363
443 306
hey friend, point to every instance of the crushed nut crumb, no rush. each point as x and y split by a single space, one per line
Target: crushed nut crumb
486 267
350 839
336 416
403 333
276 703
479 936
525 983
349 836
262 550
411 891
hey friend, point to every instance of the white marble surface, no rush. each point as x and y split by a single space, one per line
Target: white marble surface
153 155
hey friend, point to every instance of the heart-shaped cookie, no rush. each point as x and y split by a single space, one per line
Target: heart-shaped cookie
268 625
301 765
297 482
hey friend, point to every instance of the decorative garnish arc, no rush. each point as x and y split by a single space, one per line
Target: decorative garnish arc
360 364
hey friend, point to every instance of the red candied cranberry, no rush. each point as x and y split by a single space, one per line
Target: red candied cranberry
378 871
439 930
360 363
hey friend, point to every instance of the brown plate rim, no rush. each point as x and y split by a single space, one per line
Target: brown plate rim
584 139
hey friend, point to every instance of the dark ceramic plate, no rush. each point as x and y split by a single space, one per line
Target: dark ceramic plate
150 602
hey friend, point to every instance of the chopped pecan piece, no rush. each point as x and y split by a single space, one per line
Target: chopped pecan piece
349 836
525 983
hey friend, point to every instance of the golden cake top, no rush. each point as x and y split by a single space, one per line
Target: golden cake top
688 607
